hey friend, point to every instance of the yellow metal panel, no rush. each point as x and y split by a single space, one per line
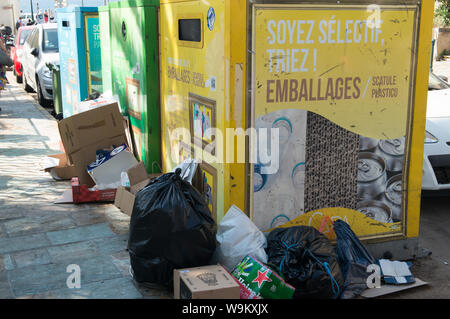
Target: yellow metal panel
224 56
406 55
193 83
419 115
237 41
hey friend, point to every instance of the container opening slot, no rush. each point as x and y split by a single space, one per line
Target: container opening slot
190 30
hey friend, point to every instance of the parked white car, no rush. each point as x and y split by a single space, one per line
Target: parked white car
40 48
436 157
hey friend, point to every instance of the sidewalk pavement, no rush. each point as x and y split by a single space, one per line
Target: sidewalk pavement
40 239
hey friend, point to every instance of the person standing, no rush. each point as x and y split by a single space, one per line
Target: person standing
18 23
3 79
45 16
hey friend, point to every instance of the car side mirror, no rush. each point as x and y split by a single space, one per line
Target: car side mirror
35 52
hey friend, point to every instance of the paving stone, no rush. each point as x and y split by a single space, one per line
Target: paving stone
37 224
119 222
120 227
6 263
111 245
122 262
41 278
31 257
10 213
89 217
5 291
44 295
72 251
80 234
120 288
153 291
12 244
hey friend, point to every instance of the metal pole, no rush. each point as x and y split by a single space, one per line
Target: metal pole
12 6
31 5
432 54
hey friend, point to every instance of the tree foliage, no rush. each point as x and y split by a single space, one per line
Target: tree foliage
442 12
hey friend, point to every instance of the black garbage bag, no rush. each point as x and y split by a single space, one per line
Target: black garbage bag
353 259
307 261
171 227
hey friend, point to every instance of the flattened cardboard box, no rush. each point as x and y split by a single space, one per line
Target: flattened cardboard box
84 133
63 170
206 282
138 180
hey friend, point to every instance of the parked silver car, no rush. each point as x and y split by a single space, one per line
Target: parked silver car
40 48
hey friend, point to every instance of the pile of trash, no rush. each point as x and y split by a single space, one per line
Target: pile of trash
175 242
96 156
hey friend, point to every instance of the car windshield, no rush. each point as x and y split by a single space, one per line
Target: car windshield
435 83
24 35
50 40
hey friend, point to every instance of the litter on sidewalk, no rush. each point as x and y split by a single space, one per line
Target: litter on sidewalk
171 221
107 170
257 281
395 272
58 167
170 228
238 237
80 193
207 282
85 133
96 153
137 180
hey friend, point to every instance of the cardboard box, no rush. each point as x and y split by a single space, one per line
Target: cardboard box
138 180
59 167
88 105
109 167
82 194
206 282
84 133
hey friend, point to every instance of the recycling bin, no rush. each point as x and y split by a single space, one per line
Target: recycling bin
135 74
105 43
301 113
57 94
80 55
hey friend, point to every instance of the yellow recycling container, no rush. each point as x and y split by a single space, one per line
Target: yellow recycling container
300 113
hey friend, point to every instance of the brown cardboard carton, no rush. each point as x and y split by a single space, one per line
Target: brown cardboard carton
138 180
206 282
84 133
63 170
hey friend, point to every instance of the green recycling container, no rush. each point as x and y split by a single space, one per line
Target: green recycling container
105 43
135 74
57 94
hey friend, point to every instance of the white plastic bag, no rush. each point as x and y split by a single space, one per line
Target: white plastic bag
188 168
238 237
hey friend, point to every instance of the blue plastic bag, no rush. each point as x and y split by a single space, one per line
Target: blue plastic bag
353 259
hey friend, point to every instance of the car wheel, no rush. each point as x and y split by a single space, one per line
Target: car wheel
42 101
18 77
25 85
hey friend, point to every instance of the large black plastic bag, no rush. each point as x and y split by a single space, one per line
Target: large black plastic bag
171 227
353 259
307 261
